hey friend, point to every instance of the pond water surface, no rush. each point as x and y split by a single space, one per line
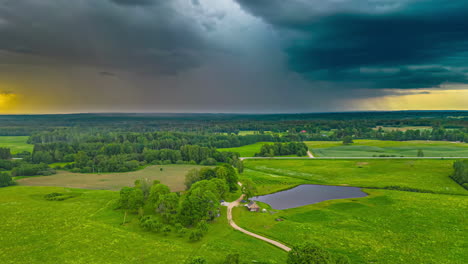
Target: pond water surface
308 194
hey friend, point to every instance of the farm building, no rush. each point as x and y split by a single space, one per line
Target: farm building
253 207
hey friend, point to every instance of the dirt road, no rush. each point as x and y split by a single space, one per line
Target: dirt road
235 226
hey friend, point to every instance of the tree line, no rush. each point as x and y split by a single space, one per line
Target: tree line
282 149
460 173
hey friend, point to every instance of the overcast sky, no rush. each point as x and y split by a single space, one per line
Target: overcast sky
62 56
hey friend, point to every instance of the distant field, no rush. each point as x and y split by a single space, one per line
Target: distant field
171 175
387 227
16 143
86 229
430 175
369 148
247 150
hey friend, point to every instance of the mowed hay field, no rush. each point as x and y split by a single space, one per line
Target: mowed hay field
387 226
86 229
426 175
16 144
171 175
370 148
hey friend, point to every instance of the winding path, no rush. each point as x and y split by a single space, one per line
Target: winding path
235 226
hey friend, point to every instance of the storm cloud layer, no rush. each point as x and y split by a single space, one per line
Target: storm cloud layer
372 44
229 55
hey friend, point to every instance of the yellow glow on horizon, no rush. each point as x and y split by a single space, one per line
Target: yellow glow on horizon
7 101
430 99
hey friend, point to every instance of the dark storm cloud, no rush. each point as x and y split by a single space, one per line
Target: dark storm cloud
133 2
157 38
335 40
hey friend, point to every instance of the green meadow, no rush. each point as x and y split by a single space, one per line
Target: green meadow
86 229
425 175
16 144
388 226
385 227
370 148
247 150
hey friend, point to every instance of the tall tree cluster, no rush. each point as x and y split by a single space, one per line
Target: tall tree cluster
282 149
161 210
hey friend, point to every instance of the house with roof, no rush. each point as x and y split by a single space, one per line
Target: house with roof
253 207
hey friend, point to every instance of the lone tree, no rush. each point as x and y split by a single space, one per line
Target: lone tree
420 153
348 140
249 188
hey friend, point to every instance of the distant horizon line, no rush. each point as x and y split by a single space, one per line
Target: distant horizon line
234 113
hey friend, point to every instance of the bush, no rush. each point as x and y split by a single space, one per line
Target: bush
232 259
60 196
150 224
5 180
196 260
309 253
195 235
166 230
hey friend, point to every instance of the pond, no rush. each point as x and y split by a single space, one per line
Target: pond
308 194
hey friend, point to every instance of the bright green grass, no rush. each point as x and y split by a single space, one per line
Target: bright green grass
86 229
16 143
369 148
269 183
250 150
247 150
386 227
429 175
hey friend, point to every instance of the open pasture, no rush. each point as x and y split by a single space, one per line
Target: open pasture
425 175
170 175
370 148
16 143
86 229
385 227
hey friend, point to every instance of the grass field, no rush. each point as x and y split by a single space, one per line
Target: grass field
386 227
250 150
247 150
171 175
16 143
429 175
86 229
369 148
